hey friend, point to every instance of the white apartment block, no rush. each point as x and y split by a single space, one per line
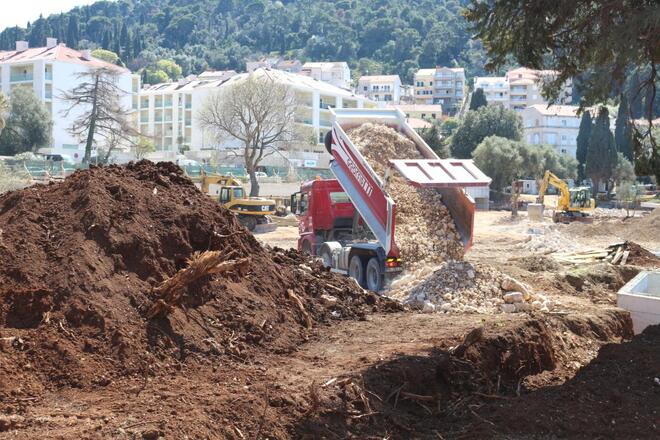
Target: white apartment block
442 85
557 126
292 66
168 113
520 88
380 88
496 89
336 73
51 70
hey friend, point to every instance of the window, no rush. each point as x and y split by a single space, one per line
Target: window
563 123
366 88
377 97
430 83
224 195
537 122
433 115
388 97
339 197
423 115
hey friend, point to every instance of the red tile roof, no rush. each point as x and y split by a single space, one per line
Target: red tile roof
57 53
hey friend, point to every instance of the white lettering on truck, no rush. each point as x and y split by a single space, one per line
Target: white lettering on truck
368 189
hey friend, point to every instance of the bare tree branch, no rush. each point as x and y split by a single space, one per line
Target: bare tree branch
256 111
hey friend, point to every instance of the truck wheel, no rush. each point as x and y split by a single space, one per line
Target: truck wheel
374 275
356 270
307 247
326 256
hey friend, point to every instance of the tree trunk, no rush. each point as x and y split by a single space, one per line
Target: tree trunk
596 185
254 184
92 124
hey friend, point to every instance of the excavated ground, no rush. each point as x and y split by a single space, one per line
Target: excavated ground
237 358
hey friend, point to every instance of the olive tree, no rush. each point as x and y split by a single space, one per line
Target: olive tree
256 111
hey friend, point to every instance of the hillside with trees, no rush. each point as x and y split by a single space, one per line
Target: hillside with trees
377 36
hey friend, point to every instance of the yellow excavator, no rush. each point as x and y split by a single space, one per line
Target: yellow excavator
573 204
251 211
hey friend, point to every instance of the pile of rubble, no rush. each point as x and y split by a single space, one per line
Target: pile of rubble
426 234
462 287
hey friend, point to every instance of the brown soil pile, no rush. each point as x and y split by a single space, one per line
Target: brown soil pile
79 261
425 231
640 256
615 396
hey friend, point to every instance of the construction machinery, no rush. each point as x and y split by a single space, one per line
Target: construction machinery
573 204
251 211
336 213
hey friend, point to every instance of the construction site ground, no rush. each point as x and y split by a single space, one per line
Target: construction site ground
576 372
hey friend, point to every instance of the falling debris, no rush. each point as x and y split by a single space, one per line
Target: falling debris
426 233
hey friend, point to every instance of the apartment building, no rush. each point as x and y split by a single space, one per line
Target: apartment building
425 112
496 89
442 85
380 88
557 125
168 113
520 88
336 73
49 71
292 66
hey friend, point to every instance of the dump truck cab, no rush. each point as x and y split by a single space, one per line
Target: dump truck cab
325 212
330 227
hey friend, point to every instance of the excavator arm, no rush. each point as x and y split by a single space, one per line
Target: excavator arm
550 179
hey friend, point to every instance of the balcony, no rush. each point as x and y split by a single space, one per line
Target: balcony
21 77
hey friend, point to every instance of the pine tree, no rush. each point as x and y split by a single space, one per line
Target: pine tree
601 152
583 136
623 131
478 99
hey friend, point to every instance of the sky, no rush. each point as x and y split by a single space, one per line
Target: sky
29 10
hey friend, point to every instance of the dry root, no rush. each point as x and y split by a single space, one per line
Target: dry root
201 264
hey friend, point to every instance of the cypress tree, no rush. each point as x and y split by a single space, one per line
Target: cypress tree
478 99
582 143
623 130
601 151
73 32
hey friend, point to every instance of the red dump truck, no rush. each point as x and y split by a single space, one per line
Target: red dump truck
335 213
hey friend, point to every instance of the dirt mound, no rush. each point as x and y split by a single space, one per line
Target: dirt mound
640 229
592 404
640 256
79 261
425 231
481 387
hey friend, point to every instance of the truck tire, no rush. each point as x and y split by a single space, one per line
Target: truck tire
326 256
307 247
374 275
356 270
